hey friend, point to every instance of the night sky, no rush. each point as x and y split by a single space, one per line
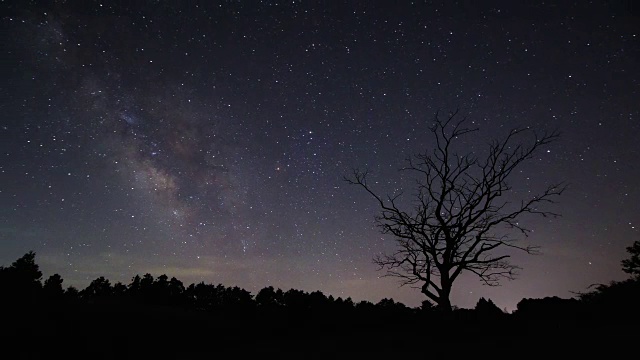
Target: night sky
208 140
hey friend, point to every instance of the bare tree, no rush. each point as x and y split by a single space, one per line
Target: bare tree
459 216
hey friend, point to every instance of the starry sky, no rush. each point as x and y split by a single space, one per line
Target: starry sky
208 140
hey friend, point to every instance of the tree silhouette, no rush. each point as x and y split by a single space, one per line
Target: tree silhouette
134 287
632 264
21 280
52 288
98 288
618 298
71 293
176 291
459 217
270 298
487 308
119 289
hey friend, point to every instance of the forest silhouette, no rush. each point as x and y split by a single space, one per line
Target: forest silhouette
162 316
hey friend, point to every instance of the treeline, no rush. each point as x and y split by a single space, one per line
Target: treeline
21 285
23 291
120 318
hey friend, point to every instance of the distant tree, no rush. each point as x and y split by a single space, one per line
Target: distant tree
619 298
21 282
52 288
269 298
176 287
548 307
71 293
318 301
349 302
296 299
487 308
162 281
176 292
27 268
134 286
98 288
205 296
365 306
160 291
632 265
343 304
458 218
237 297
426 305
119 289
389 305
146 283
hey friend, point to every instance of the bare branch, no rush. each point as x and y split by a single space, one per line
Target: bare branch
456 209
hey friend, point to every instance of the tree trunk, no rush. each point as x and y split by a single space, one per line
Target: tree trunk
445 302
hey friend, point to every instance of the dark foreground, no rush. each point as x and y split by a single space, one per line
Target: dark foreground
94 332
162 319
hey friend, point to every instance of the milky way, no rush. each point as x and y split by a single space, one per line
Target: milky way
208 141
